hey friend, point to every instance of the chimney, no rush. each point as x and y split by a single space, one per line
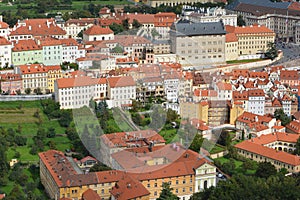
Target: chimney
1 18
29 28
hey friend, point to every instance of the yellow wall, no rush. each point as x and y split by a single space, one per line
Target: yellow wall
52 76
177 183
235 112
203 113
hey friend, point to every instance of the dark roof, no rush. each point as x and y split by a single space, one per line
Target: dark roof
263 3
188 28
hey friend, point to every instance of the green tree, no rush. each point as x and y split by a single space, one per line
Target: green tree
125 24
280 115
117 49
224 138
229 167
196 143
51 132
136 24
265 170
241 21
27 90
116 28
271 52
99 167
297 147
166 193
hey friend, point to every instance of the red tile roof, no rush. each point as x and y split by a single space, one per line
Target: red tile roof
231 37
205 93
129 40
37 68
294 126
90 194
262 75
128 188
237 95
224 86
38 27
3 25
127 139
289 75
26 45
121 81
4 41
278 136
248 117
256 92
98 30
79 81
254 29
141 18
281 156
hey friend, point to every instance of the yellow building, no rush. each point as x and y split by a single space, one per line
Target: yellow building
54 72
252 40
231 47
235 111
188 174
191 110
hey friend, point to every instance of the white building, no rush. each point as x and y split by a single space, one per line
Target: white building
171 86
71 50
77 92
98 33
256 102
4 28
287 105
121 91
224 91
5 52
74 26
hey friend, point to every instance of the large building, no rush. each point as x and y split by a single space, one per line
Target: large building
280 17
26 52
121 91
5 52
76 92
30 28
272 148
157 3
252 41
188 174
198 44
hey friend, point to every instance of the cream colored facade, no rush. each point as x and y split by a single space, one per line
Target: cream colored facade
235 112
52 76
190 110
200 50
156 3
231 50
254 43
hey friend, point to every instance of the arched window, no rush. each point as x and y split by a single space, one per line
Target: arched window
205 184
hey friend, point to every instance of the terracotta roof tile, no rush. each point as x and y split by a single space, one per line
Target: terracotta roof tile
38 27
121 81
231 37
26 45
255 29
90 194
98 30
79 81
294 126
284 157
37 68
4 41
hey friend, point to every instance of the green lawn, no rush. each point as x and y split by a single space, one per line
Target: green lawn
238 166
217 148
169 135
243 61
21 113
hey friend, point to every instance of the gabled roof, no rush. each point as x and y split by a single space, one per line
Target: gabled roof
3 25
98 30
289 75
259 149
294 126
78 82
224 86
38 27
253 29
248 117
128 188
4 41
121 81
256 92
90 194
184 28
37 68
236 95
26 45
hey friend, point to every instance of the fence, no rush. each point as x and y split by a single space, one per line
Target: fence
25 97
